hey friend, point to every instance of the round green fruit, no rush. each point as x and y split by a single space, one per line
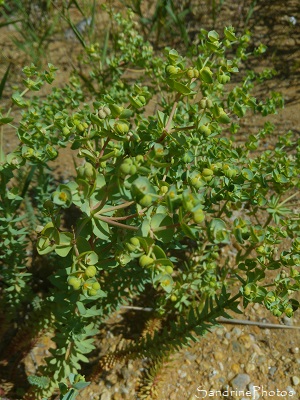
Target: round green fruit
203 104
135 241
130 247
107 110
205 130
65 131
49 205
198 216
145 261
125 168
163 189
146 200
171 70
190 73
230 173
133 170
101 114
96 286
91 271
80 171
93 292
74 282
121 128
207 172
168 269
209 103
89 171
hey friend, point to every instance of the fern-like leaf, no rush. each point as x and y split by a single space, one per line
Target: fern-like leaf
41 382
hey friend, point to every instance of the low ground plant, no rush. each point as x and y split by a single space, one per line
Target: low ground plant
167 211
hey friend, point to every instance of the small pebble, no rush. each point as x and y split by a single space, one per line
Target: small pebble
287 321
237 347
246 341
256 329
272 370
290 391
236 331
240 381
219 356
181 374
105 396
190 356
294 350
219 331
235 368
212 373
221 366
295 380
250 368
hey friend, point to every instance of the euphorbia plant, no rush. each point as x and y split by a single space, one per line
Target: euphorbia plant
158 195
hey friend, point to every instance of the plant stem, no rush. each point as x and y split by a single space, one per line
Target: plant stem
112 208
168 124
268 221
104 147
288 199
115 223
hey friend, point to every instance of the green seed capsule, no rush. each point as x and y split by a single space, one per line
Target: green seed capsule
121 128
223 117
93 292
101 114
163 189
190 73
80 127
209 103
207 172
172 70
205 130
145 261
130 247
48 205
125 168
96 286
198 216
91 271
66 131
203 104
107 111
146 200
142 99
74 282
135 241
133 170
89 171
168 269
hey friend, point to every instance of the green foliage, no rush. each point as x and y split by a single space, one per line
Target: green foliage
155 196
34 23
167 14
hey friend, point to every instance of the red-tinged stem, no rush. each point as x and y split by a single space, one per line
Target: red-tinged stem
115 223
